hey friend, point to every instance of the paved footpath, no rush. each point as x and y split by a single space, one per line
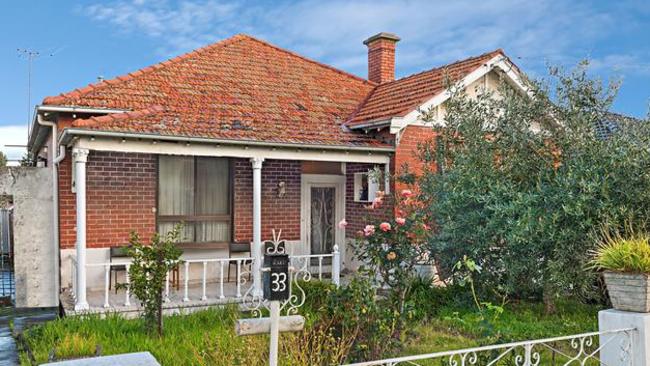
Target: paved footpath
21 319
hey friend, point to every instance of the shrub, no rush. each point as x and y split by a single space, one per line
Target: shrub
344 324
623 254
148 272
524 184
390 249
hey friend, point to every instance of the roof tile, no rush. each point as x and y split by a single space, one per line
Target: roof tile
399 97
245 89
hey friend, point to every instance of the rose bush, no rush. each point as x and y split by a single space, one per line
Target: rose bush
390 248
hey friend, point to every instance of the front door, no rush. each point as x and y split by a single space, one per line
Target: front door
323 206
322 217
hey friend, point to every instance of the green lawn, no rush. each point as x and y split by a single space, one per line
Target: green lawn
208 338
457 328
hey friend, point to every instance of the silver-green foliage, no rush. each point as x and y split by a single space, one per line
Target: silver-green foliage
525 182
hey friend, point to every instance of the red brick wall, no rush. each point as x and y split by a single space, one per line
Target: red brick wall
381 60
277 213
356 213
407 150
120 191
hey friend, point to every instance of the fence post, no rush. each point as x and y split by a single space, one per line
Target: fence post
618 351
336 266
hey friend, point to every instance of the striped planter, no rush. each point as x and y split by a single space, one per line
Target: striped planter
629 291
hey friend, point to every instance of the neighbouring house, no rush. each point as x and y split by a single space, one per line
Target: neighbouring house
234 140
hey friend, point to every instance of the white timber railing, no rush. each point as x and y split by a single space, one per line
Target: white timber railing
577 349
200 277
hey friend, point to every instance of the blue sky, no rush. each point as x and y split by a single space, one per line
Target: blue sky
81 40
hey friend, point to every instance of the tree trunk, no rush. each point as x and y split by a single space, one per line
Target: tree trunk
549 301
160 318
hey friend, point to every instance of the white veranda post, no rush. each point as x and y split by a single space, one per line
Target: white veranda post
257 226
80 156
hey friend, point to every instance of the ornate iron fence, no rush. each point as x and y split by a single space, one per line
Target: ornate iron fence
578 349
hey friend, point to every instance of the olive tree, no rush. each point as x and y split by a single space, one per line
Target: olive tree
524 180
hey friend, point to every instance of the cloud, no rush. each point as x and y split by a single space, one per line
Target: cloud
13 135
622 64
534 32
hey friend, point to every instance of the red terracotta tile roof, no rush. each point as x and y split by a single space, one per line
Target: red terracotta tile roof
398 98
240 88
243 88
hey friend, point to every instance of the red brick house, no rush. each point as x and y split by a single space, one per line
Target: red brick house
236 139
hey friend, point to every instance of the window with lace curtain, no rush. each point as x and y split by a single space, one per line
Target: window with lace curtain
197 192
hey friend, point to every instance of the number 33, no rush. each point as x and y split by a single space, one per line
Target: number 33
279 281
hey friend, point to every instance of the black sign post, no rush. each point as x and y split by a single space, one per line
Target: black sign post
276 280
276 277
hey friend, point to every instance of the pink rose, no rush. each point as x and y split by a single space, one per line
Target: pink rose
369 230
400 221
406 193
343 224
384 226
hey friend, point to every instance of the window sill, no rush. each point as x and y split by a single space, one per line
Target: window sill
210 245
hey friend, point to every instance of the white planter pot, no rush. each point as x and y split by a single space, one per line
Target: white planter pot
629 291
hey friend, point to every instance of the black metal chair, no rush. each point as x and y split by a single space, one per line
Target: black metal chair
238 249
116 252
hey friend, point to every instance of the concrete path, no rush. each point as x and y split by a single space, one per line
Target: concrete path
22 318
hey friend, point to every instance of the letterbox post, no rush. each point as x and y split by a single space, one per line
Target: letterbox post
276 289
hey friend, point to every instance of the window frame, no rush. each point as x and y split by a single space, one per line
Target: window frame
227 218
357 183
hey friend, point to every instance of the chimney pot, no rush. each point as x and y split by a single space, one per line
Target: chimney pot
381 57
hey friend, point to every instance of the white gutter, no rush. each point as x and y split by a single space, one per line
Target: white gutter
372 124
72 109
56 159
65 109
70 132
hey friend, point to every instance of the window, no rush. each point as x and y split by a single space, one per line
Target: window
195 191
365 187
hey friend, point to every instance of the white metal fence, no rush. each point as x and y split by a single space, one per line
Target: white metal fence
578 349
210 288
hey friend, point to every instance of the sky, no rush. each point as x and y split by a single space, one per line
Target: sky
79 41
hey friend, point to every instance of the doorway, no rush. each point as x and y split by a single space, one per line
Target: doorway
323 207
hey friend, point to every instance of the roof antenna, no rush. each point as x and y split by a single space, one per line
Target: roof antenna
30 55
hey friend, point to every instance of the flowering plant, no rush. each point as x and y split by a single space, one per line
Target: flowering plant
391 247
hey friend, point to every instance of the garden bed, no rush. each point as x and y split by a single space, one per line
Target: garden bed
208 338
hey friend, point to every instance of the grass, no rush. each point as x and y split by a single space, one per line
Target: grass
461 327
208 338
623 254
202 338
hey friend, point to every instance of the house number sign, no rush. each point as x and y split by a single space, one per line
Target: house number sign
276 296
276 277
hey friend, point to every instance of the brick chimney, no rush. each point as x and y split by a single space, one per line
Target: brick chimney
381 57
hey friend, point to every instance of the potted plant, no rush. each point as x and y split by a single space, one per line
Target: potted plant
626 265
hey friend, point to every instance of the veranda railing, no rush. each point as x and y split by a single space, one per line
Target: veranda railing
244 267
